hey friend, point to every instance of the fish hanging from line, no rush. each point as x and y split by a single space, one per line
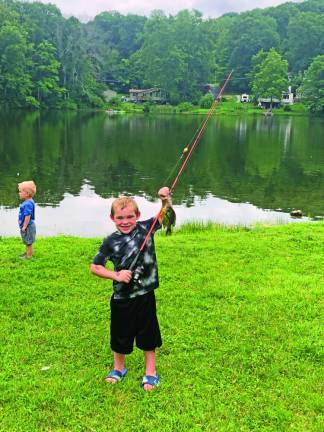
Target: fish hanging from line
168 217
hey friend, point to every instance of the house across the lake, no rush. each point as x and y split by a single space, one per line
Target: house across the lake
268 103
287 98
154 94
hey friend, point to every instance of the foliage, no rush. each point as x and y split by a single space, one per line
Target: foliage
206 101
243 325
287 108
249 33
185 107
270 76
175 54
115 101
147 107
283 13
15 81
48 60
305 39
45 75
312 89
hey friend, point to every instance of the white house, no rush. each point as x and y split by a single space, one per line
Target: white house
154 94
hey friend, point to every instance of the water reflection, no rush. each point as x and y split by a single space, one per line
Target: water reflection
272 163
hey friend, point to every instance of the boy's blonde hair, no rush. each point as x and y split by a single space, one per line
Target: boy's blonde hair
122 202
28 186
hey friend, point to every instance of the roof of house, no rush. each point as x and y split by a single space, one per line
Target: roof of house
150 90
268 100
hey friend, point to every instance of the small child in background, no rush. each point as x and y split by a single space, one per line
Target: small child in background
26 218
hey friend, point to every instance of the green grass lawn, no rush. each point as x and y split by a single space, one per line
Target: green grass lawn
240 314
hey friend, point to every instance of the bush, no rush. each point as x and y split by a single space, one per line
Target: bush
31 102
287 108
185 107
206 101
147 107
95 101
68 104
115 101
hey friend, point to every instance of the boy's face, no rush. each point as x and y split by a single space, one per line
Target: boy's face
125 219
23 195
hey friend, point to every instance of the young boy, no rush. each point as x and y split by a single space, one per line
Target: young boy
133 307
26 217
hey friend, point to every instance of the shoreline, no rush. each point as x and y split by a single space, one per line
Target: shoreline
195 227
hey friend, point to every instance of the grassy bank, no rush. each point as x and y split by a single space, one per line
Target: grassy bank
228 106
240 315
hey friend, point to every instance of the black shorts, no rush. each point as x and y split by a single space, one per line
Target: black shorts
131 319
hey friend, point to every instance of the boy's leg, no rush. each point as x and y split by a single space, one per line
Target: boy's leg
149 367
119 361
119 364
29 250
148 337
150 363
28 237
121 332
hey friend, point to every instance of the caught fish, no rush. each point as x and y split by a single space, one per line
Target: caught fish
168 218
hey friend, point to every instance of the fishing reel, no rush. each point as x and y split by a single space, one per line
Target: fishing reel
138 272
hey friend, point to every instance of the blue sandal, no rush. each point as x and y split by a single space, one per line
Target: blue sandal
152 380
116 375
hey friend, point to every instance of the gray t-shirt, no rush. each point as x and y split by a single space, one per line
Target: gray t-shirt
121 249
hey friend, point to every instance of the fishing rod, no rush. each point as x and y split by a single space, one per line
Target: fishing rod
188 152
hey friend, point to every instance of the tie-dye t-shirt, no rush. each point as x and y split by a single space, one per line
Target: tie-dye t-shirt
121 249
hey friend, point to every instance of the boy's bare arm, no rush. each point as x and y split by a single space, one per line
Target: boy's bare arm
26 222
121 276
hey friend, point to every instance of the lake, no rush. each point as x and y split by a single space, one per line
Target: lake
245 169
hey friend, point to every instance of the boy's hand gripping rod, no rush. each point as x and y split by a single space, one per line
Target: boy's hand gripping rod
184 163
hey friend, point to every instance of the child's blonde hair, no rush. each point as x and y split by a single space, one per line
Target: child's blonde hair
28 186
122 202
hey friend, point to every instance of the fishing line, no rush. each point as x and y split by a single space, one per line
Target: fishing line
186 154
201 126
200 132
182 155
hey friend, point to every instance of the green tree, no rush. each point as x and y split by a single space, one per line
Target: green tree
77 74
270 77
305 39
40 20
312 89
249 33
119 32
15 81
159 62
218 31
256 63
112 39
282 14
45 75
312 6
7 13
175 55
